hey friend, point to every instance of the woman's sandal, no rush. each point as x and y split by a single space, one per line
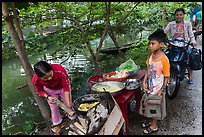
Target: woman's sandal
146 124
57 129
149 130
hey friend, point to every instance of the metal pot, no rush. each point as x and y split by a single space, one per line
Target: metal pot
113 87
131 84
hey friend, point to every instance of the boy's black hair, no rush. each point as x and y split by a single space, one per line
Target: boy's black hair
179 9
158 35
41 68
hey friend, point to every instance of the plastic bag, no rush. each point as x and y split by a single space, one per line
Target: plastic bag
130 66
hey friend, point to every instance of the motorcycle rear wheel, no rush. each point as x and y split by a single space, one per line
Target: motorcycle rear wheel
173 86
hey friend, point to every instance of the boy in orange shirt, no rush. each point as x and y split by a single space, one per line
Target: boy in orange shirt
157 73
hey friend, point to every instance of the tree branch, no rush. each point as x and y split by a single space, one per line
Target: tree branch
105 30
22 86
125 16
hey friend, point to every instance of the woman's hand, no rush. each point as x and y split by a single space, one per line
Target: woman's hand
50 99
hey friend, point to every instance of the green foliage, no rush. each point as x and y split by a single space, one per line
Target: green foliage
28 126
139 56
79 86
109 63
8 53
34 43
46 14
140 53
142 45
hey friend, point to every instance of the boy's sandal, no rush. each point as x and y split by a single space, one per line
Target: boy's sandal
146 124
149 130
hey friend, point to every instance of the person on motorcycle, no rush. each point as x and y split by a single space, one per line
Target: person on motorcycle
157 73
183 29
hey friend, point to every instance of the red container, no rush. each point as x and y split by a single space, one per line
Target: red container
94 79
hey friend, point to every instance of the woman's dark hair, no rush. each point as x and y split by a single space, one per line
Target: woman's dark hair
41 68
179 9
158 35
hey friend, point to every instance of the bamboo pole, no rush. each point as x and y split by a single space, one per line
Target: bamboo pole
69 111
77 125
79 132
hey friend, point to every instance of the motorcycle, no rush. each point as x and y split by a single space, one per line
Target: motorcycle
177 53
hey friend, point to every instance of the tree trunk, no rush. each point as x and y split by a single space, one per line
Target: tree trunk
111 34
124 17
17 23
88 45
24 60
111 30
107 27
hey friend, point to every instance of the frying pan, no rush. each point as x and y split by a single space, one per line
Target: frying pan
104 99
88 98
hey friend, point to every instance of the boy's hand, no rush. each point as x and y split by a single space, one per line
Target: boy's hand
159 92
144 86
